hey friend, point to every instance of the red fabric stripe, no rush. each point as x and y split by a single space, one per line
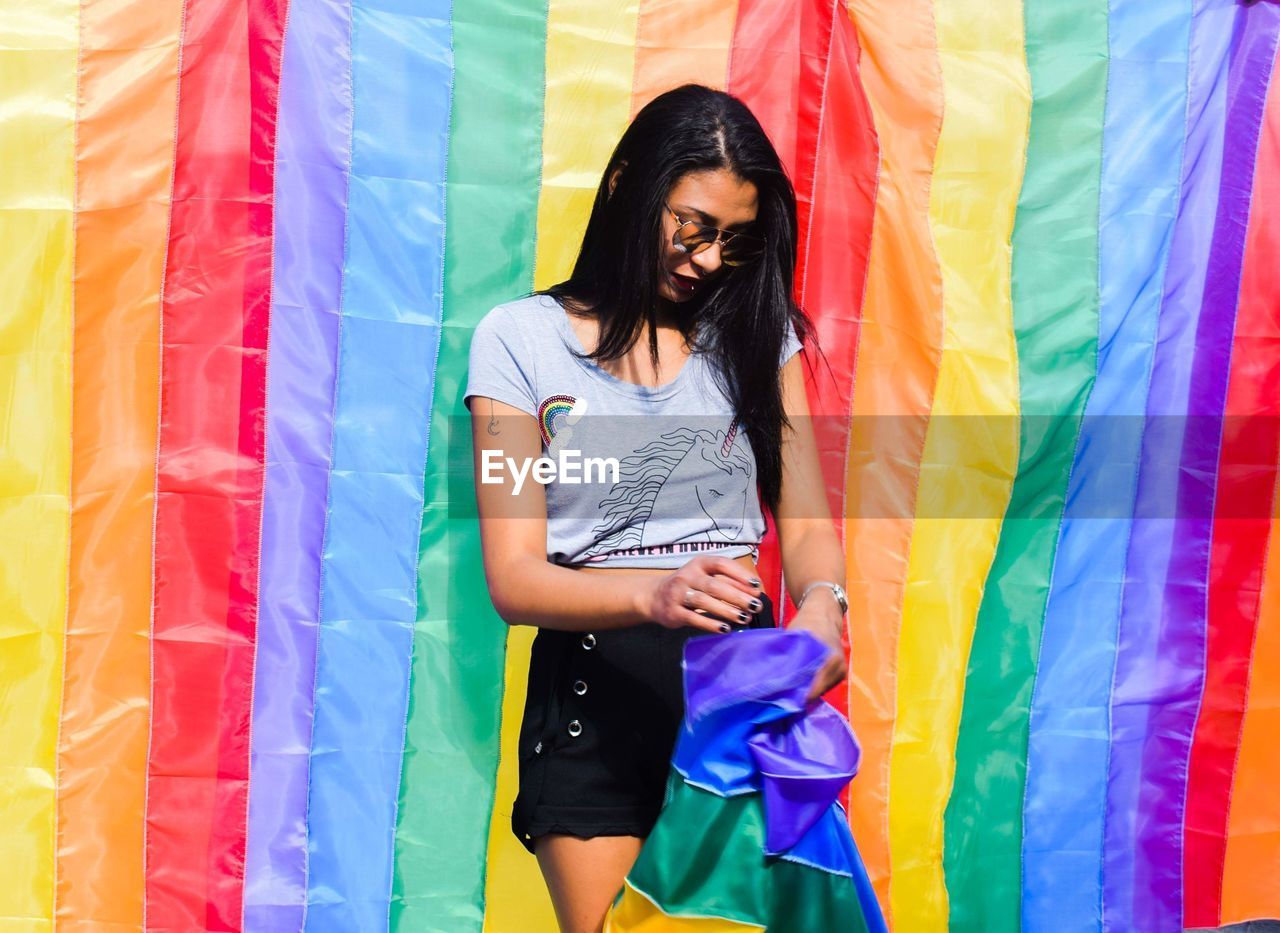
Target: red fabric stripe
1246 480
796 66
210 467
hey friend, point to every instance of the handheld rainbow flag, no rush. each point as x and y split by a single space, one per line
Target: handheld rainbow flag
250 677
751 836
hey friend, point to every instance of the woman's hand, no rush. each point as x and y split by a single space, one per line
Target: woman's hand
710 593
822 619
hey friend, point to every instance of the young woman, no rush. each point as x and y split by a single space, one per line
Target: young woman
671 351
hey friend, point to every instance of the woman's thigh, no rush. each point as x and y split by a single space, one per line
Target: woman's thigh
584 875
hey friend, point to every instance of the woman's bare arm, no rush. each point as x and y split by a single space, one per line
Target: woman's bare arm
810 546
527 589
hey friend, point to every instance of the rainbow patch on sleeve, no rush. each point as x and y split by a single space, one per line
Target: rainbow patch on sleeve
553 412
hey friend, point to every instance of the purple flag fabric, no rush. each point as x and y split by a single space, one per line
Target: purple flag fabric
748 729
313 158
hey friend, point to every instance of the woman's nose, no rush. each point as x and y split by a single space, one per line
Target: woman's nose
704 259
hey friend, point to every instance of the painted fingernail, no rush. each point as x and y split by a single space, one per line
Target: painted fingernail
743 617
726 627
756 605
755 583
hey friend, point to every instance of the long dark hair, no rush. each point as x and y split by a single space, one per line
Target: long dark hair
740 319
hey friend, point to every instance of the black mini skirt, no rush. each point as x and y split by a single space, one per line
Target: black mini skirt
600 721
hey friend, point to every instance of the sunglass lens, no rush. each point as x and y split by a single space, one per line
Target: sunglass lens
741 250
695 237
737 251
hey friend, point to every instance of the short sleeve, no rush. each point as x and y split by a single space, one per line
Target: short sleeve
499 366
790 346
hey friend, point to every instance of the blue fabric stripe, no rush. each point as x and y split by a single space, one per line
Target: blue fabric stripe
1068 749
402 78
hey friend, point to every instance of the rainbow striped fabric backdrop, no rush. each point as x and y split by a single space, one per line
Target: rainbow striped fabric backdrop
249 673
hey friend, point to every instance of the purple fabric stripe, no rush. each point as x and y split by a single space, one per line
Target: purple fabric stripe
313 158
1160 662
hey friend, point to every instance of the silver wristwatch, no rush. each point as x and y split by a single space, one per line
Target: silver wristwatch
836 589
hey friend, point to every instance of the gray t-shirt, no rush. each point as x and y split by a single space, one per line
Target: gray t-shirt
636 476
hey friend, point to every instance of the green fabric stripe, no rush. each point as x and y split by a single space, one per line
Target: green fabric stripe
451 749
704 858
1055 312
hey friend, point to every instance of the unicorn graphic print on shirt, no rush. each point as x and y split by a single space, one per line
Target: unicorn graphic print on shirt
680 475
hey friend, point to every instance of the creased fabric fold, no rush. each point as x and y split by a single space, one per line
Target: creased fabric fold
747 729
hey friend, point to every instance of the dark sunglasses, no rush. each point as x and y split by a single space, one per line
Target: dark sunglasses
736 249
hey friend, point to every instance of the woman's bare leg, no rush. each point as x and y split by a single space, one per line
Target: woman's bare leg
584 876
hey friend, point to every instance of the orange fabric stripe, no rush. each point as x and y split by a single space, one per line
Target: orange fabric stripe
898 360
681 43
124 164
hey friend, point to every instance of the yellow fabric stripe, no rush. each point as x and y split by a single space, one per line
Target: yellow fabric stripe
38 48
635 913
589 65
969 463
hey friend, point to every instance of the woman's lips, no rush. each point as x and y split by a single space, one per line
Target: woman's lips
684 282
